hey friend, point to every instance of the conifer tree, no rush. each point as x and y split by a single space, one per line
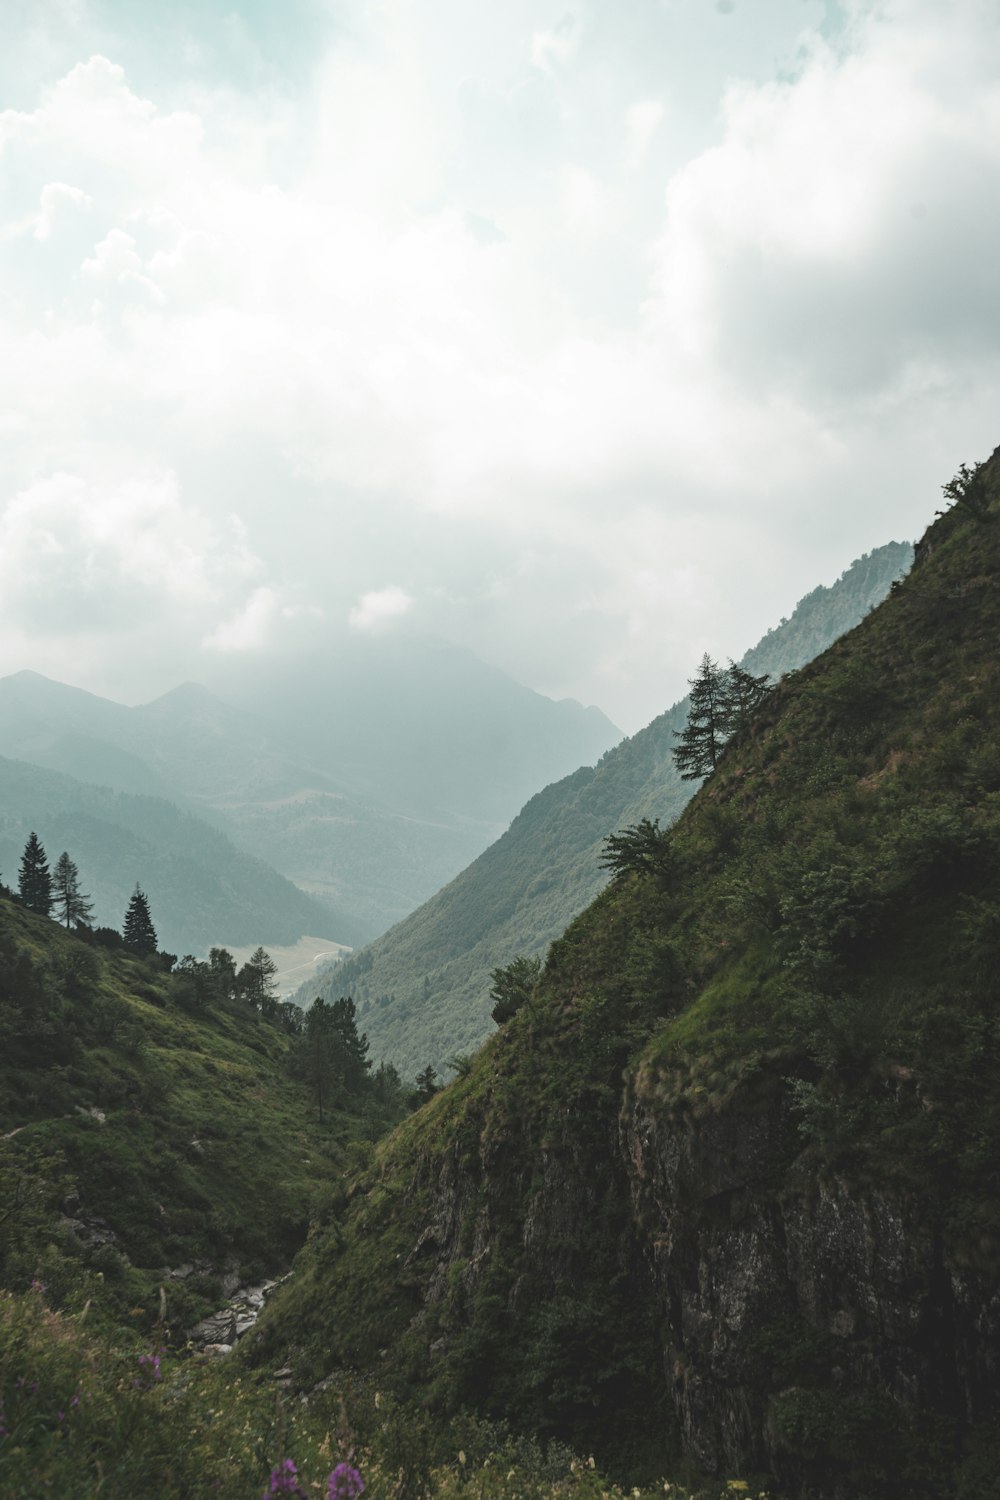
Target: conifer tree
139 932
256 983
34 882
704 735
743 694
73 905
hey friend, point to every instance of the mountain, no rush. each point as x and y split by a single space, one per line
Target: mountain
369 777
725 1186
423 988
202 889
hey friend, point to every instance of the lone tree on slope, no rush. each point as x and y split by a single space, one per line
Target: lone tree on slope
703 736
72 905
34 883
139 933
723 701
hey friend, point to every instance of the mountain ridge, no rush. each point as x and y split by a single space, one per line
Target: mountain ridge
396 780
523 890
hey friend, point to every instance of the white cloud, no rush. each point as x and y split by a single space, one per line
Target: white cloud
645 414
57 202
249 628
73 551
641 124
376 611
552 48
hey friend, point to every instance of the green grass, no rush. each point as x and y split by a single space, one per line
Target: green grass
182 1137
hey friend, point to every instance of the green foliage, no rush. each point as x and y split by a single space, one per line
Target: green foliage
513 986
88 1411
172 1124
73 907
723 703
255 983
642 849
34 882
969 489
700 742
138 930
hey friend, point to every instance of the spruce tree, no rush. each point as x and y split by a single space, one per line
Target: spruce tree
139 933
704 735
73 905
34 882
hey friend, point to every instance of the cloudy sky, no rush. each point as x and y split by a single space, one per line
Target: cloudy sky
588 335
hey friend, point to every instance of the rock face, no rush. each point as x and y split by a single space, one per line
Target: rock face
725 1186
759 1284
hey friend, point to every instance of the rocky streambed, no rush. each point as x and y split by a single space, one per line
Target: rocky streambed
218 1333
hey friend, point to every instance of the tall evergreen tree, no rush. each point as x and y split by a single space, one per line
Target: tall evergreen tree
256 983
139 932
702 739
73 905
34 882
350 1049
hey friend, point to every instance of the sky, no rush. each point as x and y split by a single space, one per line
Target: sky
589 336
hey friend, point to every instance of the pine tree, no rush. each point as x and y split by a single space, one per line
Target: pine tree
139 932
743 694
704 735
73 905
34 882
255 982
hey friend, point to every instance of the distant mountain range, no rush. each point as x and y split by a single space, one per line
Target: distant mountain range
202 889
368 778
423 988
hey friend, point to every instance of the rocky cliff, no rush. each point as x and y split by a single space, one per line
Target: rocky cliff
725 1187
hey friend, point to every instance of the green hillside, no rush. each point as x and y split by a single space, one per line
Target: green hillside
423 988
726 1186
149 1136
203 890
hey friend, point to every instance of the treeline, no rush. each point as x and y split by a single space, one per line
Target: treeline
54 1004
57 893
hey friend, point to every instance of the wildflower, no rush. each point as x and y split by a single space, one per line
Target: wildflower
345 1483
284 1481
149 1371
38 1286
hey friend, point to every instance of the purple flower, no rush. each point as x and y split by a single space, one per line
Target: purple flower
149 1371
283 1481
345 1483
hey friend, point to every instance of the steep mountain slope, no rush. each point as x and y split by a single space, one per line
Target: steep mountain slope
368 779
202 889
424 987
728 1180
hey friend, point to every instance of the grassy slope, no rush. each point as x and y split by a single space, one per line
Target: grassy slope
209 1154
424 987
823 935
